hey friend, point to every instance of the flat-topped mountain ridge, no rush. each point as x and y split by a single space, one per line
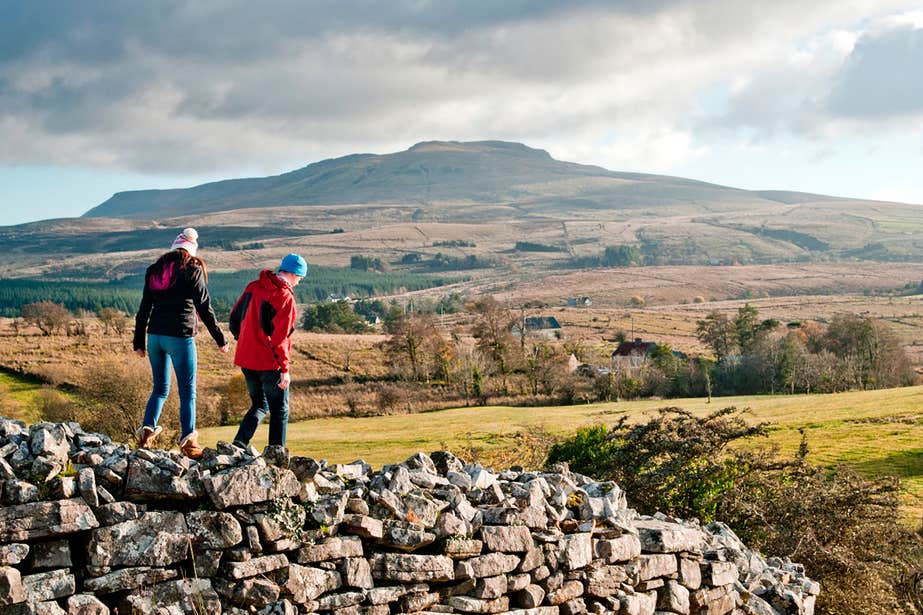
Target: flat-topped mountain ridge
440 172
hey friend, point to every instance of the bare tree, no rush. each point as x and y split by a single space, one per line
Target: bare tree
493 335
544 364
48 316
416 349
111 317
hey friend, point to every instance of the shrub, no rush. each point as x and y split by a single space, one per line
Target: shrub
585 451
333 317
52 405
111 317
529 246
366 263
845 529
391 398
527 448
117 391
233 400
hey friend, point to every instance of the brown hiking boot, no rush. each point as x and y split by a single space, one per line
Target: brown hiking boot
146 435
189 446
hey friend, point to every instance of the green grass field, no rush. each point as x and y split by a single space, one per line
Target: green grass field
17 396
877 432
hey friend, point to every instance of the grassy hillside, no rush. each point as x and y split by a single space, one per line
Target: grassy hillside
480 198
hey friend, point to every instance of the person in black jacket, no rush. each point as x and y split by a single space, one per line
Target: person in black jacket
174 298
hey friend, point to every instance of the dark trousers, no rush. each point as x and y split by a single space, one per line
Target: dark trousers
265 396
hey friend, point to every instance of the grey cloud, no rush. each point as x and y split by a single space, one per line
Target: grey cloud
181 86
99 30
882 76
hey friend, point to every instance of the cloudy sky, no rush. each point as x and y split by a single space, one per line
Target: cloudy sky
96 96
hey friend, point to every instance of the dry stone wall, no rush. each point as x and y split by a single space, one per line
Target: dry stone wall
89 527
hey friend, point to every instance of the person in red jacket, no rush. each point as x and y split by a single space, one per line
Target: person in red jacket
262 322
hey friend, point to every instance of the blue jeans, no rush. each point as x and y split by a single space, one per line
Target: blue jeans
164 350
265 396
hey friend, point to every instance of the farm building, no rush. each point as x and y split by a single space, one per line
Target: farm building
337 297
541 326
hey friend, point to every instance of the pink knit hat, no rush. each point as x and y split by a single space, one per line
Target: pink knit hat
187 241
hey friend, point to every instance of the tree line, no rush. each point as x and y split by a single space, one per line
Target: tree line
494 355
751 356
124 294
757 356
763 356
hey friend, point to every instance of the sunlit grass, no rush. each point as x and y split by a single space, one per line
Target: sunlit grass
876 432
17 396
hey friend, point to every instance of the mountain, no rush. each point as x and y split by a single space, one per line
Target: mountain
429 173
489 208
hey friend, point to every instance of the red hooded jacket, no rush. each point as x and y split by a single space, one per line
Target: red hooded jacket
262 322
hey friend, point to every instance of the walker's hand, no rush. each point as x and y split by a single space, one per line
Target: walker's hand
284 380
225 348
140 353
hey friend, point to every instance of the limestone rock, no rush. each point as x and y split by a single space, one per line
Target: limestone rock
86 483
49 585
411 568
507 539
181 596
154 539
86 604
335 547
28 522
251 484
621 549
19 492
12 554
146 480
128 578
12 590
305 583
660 537
255 566
467 604
362 525
213 530
356 572
488 565
576 550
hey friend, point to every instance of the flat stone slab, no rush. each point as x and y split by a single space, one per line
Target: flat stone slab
128 578
154 539
662 537
411 568
251 484
147 481
49 585
27 522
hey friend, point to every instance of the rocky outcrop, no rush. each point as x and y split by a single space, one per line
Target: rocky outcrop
89 526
